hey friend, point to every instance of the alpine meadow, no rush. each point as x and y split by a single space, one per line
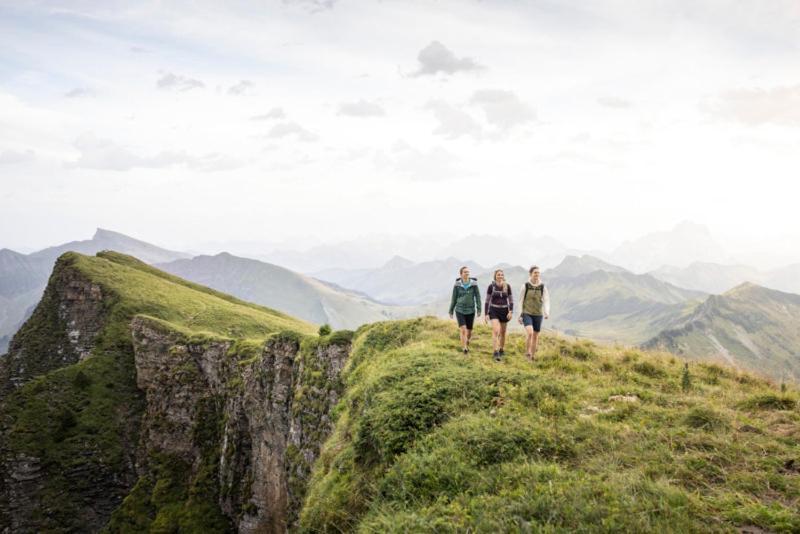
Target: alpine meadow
383 266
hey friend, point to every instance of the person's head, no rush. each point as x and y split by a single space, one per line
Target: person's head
500 278
464 273
535 273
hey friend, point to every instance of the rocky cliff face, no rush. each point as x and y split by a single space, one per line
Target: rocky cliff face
254 427
183 432
60 332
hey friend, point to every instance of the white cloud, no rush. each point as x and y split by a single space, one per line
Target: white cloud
361 108
503 109
11 157
177 82
433 164
79 92
453 123
241 88
614 102
104 154
273 114
436 58
777 105
291 129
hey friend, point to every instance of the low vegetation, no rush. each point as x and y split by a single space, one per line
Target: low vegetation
588 438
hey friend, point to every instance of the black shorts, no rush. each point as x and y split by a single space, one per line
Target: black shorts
533 320
501 314
465 319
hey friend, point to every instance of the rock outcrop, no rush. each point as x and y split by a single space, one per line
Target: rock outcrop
114 421
270 414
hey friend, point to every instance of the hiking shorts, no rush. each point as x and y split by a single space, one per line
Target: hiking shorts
465 319
501 314
533 320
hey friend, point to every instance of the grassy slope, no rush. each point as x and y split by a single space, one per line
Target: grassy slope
754 327
428 440
84 416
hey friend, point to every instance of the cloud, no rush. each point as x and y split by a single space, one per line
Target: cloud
433 164
241 88
79 92
273 114
177 82
362 108
778 105
313 6
104 154
502 108
436 58
11 157
453 123
614 102
291 129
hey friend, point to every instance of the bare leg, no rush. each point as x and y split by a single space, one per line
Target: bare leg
462 330
529 341
534 342
495 334
502 335
469 336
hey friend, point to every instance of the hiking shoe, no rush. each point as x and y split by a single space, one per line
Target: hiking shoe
496 355
502 352
466 350
529 357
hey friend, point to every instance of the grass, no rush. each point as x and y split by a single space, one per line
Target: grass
85 417
588 438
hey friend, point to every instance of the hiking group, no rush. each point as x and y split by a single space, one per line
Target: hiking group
499 309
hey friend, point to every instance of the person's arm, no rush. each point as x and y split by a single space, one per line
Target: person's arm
488 299
510 300
522 298
453 301
477 294
546 302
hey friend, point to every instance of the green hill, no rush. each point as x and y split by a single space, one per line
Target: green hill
23 276
750 327
285 290
589 439
71 410
135 401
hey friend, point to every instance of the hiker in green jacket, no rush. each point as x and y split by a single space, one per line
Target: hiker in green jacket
466 302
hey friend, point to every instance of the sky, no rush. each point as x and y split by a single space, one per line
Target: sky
185 123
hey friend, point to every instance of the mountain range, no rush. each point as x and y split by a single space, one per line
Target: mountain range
279 288
750 327
132 400
23 277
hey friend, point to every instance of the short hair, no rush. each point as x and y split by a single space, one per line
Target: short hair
533 268
461 270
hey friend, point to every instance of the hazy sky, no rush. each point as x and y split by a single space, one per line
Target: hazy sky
594 122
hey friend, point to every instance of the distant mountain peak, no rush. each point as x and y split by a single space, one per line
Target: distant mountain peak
398 262
573 265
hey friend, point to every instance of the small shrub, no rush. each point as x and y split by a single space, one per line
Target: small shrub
769 401
325 330
81 380
704 419
648 369
686 379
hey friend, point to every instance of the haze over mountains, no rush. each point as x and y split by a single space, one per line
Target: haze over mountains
592 296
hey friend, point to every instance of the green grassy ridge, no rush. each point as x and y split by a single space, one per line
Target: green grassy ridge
427 440
86 416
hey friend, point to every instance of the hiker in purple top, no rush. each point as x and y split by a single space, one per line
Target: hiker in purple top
499 309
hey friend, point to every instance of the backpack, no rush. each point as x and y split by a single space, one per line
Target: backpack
528 285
